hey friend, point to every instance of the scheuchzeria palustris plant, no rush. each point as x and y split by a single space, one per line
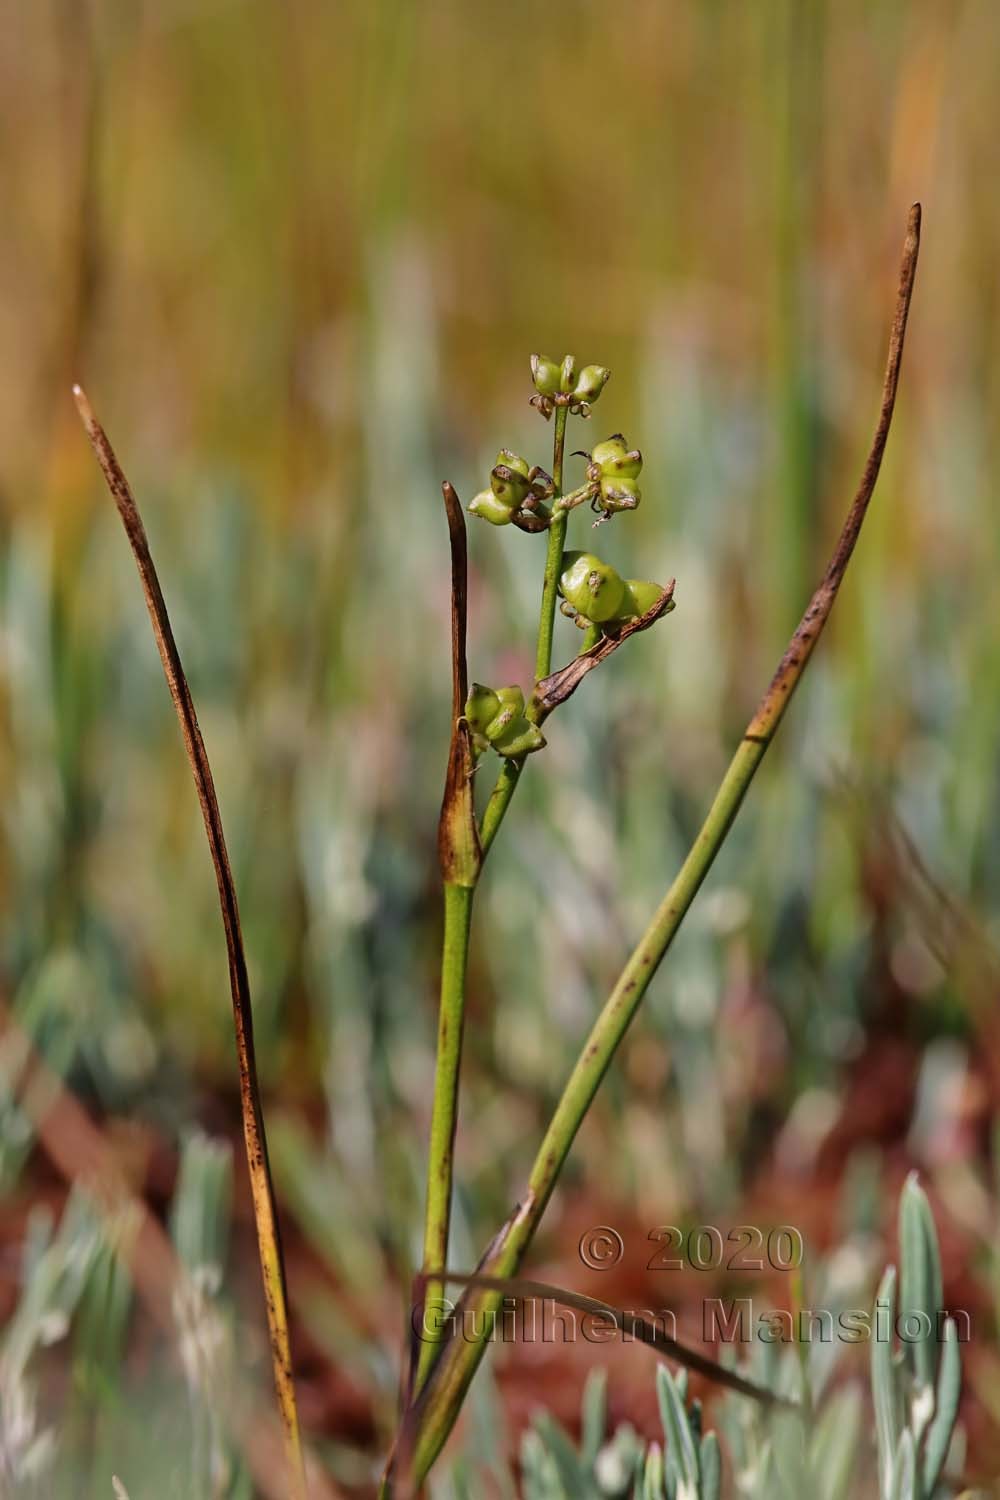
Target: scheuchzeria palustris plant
609 608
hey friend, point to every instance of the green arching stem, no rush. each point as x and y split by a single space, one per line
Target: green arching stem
623 1002
432 1418
444 1113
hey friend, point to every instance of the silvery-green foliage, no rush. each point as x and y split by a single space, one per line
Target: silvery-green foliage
199 1224
916 1387
687 1467
76 1287
782 1454
199 1214
553 1468
56 1269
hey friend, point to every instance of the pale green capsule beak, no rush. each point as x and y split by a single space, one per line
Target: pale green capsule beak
640 596
488 507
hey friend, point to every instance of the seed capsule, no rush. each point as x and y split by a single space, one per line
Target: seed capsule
481 708
590 383
509 485
613 458
593 587
510 708
545 373
496 717
488 507
518 737
512 698
567 375
619 494
515 462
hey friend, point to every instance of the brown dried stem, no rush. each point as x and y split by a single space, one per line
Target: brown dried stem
261 1186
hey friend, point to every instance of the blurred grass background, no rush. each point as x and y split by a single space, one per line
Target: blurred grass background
299 254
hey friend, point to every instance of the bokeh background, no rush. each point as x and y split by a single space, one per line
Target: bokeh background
299 253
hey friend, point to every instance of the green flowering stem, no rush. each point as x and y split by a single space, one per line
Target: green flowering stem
510 772
553 557
444 1392
461 873
444 1112
496 808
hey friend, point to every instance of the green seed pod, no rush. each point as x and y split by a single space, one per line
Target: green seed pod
639 596
488 508
512 698
567 375
590 383
481 708
510 706
545 374
496 717
614 458
518 737
593 587
509 485
515 462
619 494
499 726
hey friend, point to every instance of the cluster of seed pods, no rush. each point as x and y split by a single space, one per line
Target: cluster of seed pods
593 593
